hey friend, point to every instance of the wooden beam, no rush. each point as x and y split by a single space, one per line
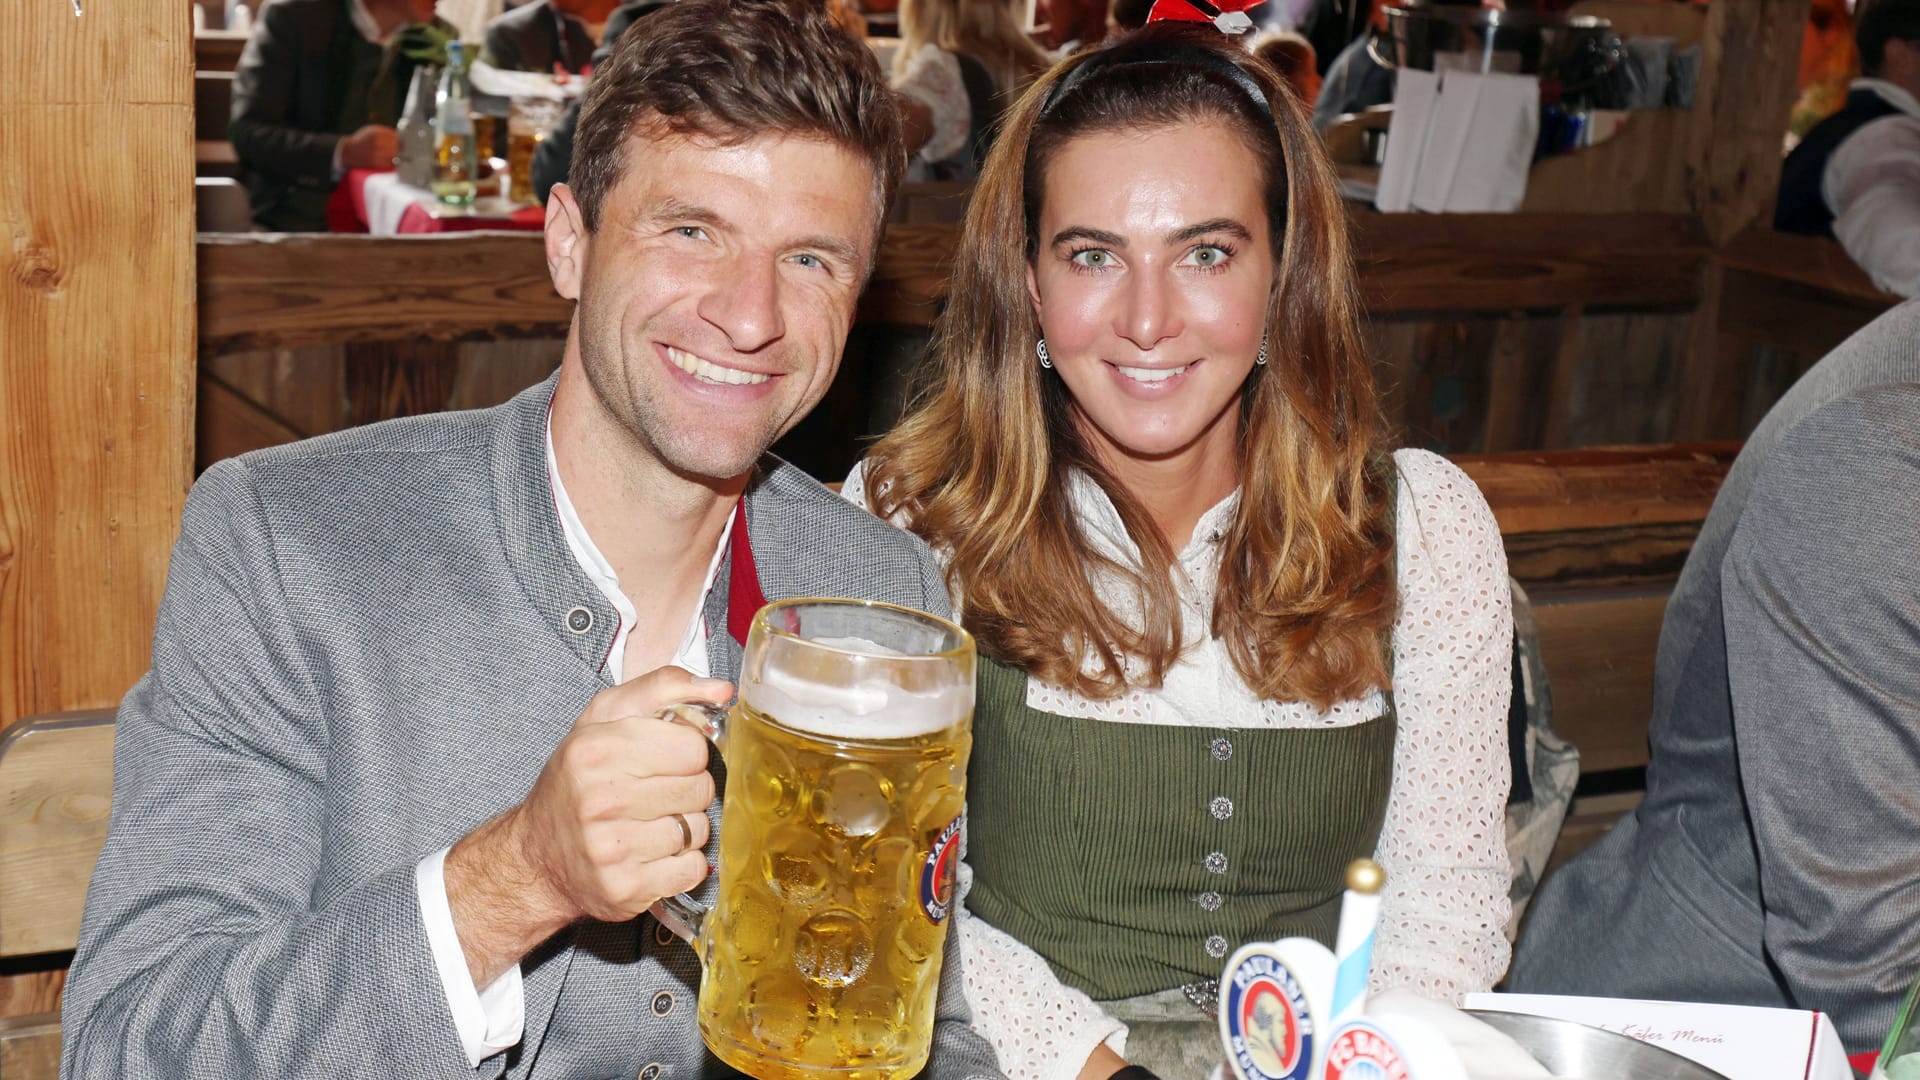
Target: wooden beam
30 1047
1415 263
96 328
278 291
1748 65
1554 491
260 291
1599 656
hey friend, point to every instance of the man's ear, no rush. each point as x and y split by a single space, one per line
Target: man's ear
567 241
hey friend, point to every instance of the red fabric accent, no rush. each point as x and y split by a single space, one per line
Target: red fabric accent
1181 11
347 206
1863 1063
347 212
744 598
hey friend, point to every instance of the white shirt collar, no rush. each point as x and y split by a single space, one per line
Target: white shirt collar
692 653
1891 93
1101 519
364 22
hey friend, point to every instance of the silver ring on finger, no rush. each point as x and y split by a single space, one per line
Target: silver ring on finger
686 834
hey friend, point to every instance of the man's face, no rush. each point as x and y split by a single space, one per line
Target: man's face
717 291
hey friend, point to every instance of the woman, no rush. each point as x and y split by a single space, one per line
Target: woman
1229 644
963 59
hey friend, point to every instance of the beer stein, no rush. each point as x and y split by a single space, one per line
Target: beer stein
846 754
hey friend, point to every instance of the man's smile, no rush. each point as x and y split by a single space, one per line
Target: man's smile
709 372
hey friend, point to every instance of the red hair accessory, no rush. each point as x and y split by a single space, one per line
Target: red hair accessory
1229 16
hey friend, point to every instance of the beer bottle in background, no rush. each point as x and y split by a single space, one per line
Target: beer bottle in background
456 151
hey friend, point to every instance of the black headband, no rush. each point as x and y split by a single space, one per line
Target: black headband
1162 51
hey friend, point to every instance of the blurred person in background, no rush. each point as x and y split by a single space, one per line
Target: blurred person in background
318 90
549 34
1856 175
1292 56
961 61
1074 24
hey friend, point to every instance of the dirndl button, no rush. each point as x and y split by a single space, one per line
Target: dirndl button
1216 862
1216 946
1209 901
1221 807
1222 748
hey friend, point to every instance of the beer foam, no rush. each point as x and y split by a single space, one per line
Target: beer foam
865 711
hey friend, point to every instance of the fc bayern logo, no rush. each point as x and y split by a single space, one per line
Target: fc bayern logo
1361 1051
1269 1027
937 873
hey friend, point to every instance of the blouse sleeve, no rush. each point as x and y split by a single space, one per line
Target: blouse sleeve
1442 918
932 78
1040 1028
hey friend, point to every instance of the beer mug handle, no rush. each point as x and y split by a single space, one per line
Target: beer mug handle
682 914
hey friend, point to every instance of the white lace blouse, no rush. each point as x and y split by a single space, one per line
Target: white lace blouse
1443 842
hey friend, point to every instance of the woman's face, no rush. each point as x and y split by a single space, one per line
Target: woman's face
1151 280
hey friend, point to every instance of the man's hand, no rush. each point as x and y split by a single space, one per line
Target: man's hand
601 834
374 146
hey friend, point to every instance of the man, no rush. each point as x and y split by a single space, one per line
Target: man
395 790
547 34
318 91
1773 861
1856 176
555 152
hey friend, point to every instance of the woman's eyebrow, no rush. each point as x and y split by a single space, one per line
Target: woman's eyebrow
1217 225
1083 232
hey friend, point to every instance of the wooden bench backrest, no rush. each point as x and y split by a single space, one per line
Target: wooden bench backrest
1597 536
56 783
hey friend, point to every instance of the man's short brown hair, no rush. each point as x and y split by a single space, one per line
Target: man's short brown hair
733 70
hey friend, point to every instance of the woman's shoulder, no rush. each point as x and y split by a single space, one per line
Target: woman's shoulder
1430 483
1440 510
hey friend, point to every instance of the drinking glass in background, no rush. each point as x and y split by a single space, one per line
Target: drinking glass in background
1900 1057
529 120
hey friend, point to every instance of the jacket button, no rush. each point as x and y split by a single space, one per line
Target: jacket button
1216 946
579 620
662 1003
1221 807
661 935
651 1072
1216 862
1222 749
1209 901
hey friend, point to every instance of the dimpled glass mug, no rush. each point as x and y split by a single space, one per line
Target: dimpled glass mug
846 756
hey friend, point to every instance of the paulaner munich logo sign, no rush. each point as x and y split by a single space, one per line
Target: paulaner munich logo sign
1361 1051
937 873
1269 1028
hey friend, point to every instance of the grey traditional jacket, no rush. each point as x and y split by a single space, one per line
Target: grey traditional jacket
1776 857
370 643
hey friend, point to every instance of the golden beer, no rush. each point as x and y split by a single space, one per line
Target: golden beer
839 844
520 148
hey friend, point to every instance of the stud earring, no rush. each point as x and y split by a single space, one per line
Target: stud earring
1040 350
1262 358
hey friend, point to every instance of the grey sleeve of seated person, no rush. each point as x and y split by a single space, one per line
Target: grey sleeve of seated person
1822 607
206 950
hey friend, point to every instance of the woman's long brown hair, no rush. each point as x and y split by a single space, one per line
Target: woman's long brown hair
981 466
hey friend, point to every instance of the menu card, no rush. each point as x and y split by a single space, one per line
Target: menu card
1741 1042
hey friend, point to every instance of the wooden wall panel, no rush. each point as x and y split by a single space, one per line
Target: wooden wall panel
96 340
